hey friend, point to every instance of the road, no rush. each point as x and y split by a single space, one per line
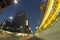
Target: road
35 38
31 38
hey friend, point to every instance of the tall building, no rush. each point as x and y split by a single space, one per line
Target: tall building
19 19
21 22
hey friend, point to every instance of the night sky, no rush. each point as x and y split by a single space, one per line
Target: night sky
32 9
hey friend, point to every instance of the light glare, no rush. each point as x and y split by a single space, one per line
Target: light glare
36 27
11 17
15 1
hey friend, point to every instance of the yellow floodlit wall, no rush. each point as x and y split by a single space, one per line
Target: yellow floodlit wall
50 14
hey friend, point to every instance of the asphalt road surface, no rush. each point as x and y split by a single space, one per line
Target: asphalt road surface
31 38
35 38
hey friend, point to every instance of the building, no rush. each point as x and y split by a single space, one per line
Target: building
21 22
19 19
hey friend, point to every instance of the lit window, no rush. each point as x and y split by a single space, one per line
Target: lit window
27 22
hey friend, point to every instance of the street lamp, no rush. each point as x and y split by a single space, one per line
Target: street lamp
36 27
15 1
11 17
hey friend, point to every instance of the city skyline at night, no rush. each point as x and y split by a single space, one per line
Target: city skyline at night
32 9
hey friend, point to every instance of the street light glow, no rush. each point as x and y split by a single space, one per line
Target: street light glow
36 27
15 1
30 28
20 26
11 17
